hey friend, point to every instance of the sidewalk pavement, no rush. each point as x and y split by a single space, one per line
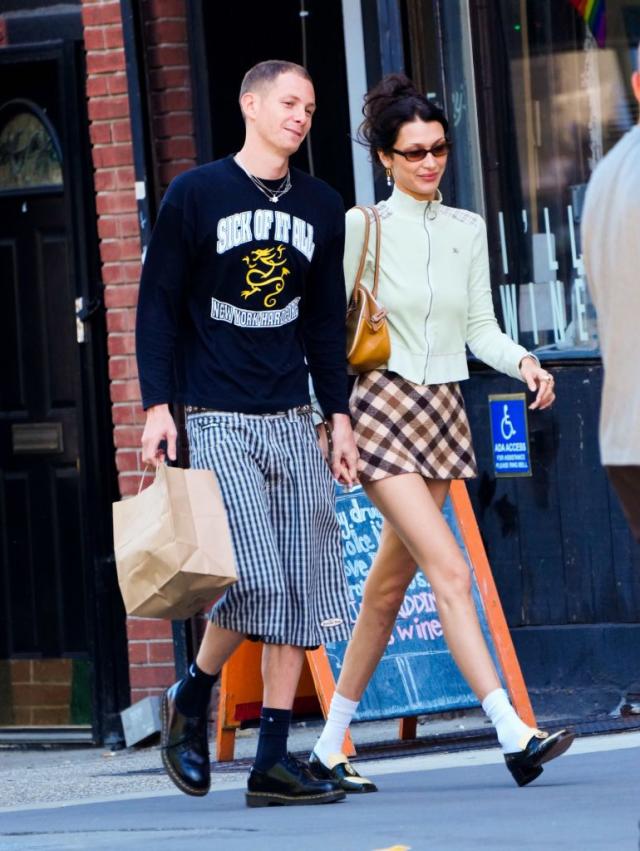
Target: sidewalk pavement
585 801
72 774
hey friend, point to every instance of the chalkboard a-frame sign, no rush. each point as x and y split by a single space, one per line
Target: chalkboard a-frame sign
417 674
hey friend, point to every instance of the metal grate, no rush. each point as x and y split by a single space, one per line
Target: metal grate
443 742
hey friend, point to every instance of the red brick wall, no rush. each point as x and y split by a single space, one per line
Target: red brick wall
170 83
165 35
40 691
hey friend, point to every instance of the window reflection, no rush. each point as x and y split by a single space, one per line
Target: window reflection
28 154
569 101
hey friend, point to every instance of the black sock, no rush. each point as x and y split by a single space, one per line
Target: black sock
272 743
194 692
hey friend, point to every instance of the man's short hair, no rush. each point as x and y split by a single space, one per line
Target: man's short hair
266 72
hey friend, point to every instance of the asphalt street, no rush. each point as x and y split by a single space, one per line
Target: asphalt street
588 799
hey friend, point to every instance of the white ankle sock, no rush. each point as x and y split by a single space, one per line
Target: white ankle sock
513 734
341 712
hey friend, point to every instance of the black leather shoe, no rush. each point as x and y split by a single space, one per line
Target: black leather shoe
289 782
185 747
344 774
526 765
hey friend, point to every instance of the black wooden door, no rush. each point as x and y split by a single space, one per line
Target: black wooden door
40 395
62 626
44 638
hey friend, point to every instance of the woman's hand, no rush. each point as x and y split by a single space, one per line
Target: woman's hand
322 434
539 381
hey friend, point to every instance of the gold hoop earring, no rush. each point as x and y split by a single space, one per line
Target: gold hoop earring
389 177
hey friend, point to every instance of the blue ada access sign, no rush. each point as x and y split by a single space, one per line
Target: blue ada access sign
510 434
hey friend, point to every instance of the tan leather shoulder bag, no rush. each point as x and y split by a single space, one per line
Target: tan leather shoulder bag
368 342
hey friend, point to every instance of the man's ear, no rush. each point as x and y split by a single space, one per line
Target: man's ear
635 82
248 104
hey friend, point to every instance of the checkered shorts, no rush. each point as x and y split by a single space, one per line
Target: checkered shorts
402 427
280 500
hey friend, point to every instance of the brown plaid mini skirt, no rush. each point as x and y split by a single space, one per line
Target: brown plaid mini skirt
402 427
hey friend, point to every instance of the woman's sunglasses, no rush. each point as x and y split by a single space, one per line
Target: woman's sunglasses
417 154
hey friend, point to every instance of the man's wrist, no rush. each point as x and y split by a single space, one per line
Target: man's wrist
155 410
340 420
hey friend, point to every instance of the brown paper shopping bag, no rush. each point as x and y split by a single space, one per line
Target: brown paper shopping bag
173 545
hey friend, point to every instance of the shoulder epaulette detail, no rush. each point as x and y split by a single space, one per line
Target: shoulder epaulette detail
465 216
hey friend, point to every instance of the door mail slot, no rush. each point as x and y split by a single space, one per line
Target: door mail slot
36 438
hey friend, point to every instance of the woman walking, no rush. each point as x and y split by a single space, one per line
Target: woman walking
409 419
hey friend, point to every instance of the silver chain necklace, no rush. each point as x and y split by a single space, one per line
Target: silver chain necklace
273 195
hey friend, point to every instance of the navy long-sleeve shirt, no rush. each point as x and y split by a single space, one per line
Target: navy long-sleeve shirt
241 298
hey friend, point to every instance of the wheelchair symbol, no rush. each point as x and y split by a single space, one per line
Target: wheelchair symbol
506 426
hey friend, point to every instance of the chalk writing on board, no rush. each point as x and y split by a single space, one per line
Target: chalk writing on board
417 673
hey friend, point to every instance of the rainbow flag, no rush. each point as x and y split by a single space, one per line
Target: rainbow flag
594 15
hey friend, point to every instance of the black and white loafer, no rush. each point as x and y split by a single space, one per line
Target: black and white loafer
342 772
526 765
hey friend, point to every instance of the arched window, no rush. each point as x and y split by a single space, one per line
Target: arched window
30 156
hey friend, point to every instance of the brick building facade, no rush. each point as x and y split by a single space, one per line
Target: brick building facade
168 49
169 106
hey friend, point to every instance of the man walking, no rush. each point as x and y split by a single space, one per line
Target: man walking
242 296
611 247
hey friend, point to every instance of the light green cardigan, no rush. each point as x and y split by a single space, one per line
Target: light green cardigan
434 282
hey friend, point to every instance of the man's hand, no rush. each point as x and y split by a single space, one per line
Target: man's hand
158 427
344 459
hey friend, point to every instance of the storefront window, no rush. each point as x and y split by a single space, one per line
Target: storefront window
562 98
461 105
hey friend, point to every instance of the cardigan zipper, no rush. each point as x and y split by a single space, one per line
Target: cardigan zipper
426 321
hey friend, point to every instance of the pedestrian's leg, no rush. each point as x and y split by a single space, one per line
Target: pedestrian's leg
185 710
216 647
411 504
391 573
281 667
193 692
276 777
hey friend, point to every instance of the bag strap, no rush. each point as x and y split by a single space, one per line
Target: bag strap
365 246
147 467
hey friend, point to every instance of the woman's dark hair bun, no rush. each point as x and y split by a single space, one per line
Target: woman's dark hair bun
388 105
389 89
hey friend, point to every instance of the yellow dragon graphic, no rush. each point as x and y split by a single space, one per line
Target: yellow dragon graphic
272 273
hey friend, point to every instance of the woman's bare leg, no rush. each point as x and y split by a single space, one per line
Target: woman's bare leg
391 573
412 506
415 532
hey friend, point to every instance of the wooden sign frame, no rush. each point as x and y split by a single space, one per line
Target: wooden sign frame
241 684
